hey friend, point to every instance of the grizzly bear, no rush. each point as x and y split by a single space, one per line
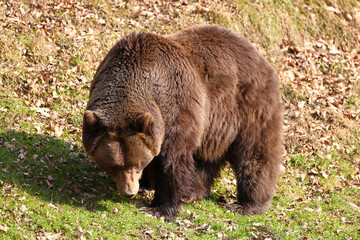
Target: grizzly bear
176 107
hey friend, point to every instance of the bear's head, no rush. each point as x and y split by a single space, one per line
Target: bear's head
124 150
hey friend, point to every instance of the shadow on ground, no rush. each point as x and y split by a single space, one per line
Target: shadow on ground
54 170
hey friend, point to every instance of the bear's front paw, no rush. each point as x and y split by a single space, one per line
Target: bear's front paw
166 212
243 209
246 208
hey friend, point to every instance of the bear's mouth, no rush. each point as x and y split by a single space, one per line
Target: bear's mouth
128 194
128 191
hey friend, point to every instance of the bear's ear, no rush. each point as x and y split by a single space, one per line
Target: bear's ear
92 130
90 118
143 122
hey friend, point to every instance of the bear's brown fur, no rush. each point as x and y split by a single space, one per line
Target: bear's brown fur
174 108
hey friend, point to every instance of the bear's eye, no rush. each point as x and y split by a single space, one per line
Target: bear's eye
138 170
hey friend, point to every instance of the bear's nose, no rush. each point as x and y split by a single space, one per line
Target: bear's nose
128 194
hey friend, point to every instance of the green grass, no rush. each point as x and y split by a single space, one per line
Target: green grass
50 188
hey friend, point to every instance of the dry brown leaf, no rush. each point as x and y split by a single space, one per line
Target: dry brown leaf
3 228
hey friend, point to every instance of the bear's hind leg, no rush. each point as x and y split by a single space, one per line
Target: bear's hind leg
255 188
257 167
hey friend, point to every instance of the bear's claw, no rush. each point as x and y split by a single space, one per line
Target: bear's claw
165 212
246 209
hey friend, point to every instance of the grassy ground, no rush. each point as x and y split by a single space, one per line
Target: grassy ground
50 189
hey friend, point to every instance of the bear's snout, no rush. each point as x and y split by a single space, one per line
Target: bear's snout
128 189
127 182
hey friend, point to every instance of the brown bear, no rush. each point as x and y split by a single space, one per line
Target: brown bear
175 108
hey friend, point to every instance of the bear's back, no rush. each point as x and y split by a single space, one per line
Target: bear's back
223 58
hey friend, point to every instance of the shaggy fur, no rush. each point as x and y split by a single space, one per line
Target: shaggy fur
212 97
